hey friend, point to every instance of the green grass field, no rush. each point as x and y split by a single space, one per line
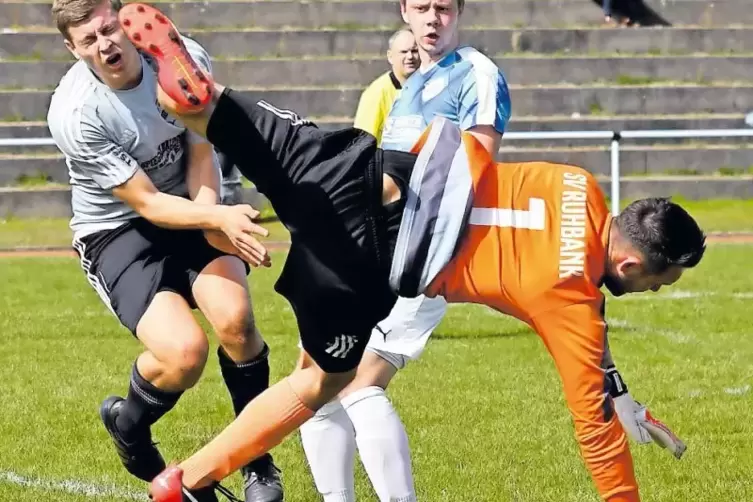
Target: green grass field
713 215
483 406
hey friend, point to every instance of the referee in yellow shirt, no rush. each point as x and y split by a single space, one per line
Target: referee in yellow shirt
376 101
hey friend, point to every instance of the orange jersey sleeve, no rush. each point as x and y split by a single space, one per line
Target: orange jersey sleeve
574 336
535 248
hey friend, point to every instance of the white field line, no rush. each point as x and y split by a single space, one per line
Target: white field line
681 295
675 336
738 391
72 486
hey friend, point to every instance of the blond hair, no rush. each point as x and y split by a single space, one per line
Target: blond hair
67 13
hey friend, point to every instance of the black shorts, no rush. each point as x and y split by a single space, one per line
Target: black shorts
326 188
127 266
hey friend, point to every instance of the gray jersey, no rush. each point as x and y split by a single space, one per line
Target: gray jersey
106 135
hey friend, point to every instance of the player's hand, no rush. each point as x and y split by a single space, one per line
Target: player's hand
637 420
237 225
221 241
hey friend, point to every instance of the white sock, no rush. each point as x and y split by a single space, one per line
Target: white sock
329 442
382 444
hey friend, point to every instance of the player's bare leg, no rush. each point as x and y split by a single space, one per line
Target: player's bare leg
169 366
263 424
221 292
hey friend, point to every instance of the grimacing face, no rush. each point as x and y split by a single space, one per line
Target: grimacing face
434 24
101 43
403 55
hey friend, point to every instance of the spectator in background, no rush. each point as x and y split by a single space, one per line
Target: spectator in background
621 12
376 101
373 107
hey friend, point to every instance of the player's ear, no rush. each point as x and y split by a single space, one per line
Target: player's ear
630 266
69 45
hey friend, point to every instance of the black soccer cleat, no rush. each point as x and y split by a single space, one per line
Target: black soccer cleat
168 487
202 495
262 482
140 457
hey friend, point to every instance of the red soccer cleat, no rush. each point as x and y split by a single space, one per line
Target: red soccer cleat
178 74
168 485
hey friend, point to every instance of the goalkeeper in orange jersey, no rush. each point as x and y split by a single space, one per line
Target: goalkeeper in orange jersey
533 240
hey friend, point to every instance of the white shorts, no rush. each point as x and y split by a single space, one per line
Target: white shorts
403 334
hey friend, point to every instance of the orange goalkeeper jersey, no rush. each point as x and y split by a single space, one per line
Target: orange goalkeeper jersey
535 248
536 241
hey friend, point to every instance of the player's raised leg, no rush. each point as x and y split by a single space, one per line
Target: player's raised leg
265 422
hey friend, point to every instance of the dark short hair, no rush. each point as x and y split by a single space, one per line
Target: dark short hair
67 13
663 232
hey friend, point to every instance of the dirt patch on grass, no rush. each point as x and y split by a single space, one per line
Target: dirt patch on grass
43 252
59 252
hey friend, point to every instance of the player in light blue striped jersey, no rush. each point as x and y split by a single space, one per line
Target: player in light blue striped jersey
468 88
464 86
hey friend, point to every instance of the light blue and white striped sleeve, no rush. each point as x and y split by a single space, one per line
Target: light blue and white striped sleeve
484 97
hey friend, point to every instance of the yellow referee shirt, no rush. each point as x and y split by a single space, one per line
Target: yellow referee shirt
375 104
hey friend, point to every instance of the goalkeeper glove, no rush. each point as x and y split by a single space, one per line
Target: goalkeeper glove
637 420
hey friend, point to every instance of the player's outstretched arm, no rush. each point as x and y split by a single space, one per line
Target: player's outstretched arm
203 180
574 336
170 211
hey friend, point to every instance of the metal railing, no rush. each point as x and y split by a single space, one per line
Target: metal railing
615 137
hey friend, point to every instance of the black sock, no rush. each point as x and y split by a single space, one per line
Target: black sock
245 380
144 405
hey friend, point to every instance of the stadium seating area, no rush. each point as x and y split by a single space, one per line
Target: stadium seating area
692 69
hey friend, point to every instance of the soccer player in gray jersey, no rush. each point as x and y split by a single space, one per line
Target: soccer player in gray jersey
145 202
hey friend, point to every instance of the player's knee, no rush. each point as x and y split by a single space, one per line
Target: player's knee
235 327
186 361
333 383
326 386
373 371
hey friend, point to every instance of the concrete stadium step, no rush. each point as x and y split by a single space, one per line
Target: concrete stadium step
688 187
56 202
24 130
562 123
729 159
542 13
517 124
360 72
344 42
527 100
645 160
602 123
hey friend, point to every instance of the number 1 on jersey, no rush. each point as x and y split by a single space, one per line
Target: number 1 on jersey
533 219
